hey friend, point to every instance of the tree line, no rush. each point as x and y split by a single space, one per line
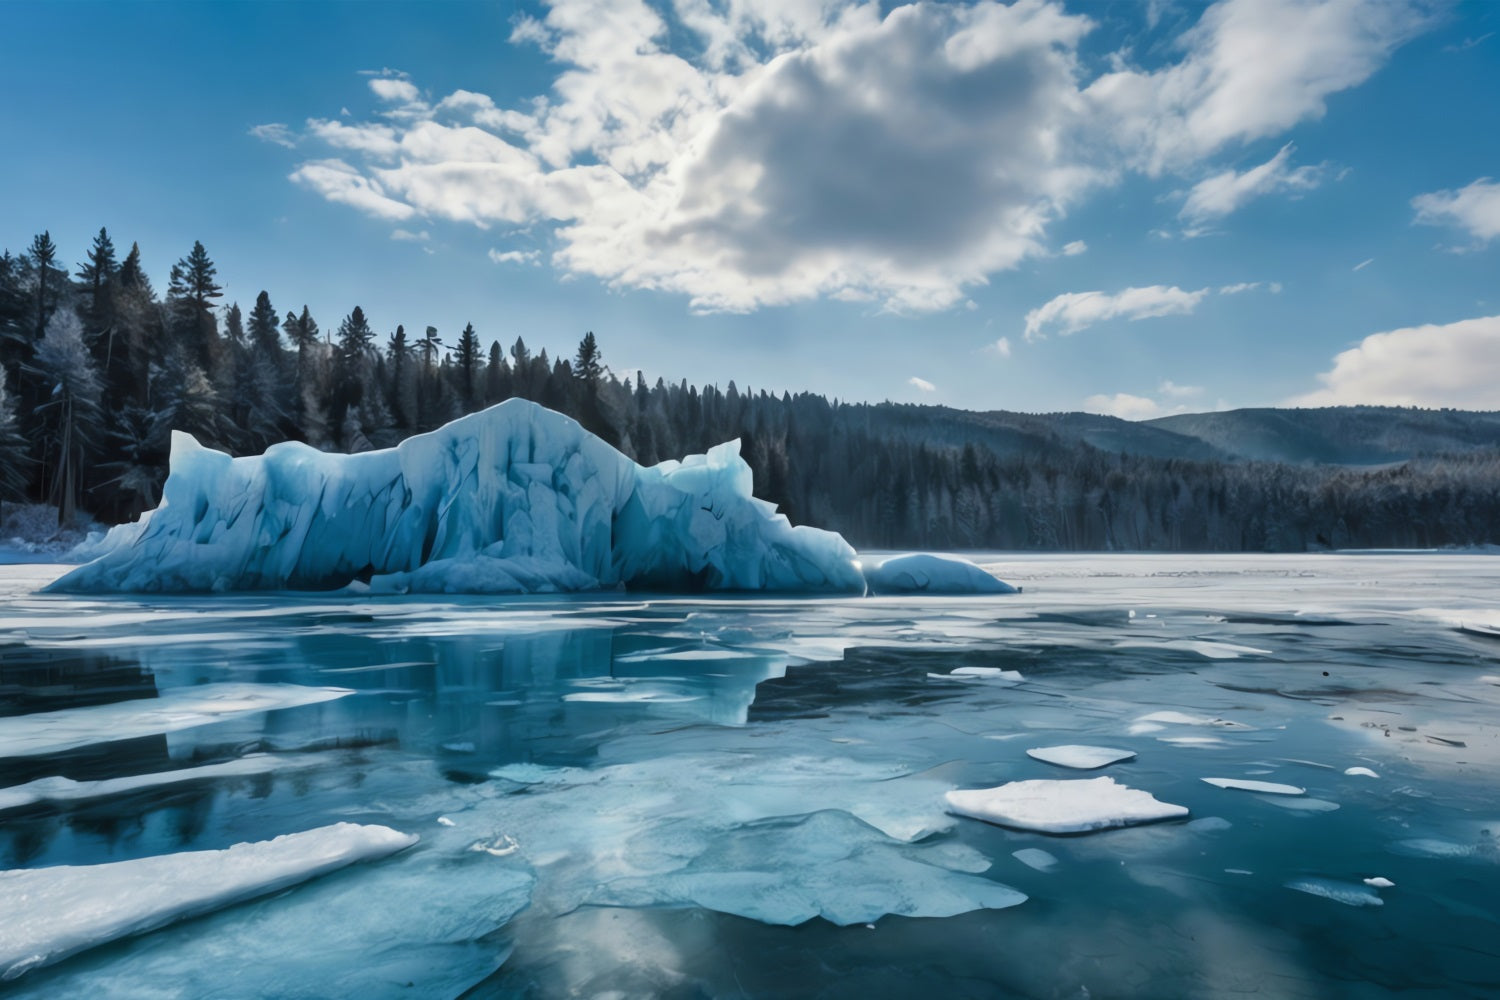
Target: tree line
97 369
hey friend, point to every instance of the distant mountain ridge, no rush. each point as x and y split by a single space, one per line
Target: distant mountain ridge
1335 435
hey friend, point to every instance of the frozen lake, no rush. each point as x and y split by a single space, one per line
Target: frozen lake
631 796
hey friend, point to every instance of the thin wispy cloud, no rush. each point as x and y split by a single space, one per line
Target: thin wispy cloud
515 256
921 384
274 132
1002 347
1239 288
1363 264
1074 249
407 236
1074 311
1224 193
1123 405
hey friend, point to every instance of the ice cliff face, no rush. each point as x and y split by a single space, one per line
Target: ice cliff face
513 499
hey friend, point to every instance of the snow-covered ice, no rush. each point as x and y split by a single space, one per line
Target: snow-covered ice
47 914
1379 882
516 498
1362 772
59 789
1062 806
1082 758
925 573
1250 785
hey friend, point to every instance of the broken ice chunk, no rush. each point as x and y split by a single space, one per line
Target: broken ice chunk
1361 772
1380 882
1340 892
1062 806
1035 857
1267 787
980 674
1082 758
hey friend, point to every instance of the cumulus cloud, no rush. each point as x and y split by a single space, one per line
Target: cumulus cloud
1074 249
1002 347
1475 207
757 153
1074 311
1123 405
1453 364
274 132
921 383
1224 193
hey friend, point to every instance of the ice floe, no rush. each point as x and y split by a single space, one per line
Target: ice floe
1380 882
60 790
1079 757
47 914
1265 787
1035 857
1363 772
1062 806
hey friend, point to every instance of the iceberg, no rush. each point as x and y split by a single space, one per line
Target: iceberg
924 573
1049 805
513 499
47 914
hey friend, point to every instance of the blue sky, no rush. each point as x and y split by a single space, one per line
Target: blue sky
1123 207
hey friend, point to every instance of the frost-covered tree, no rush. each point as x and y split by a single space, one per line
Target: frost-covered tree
71 416
14 460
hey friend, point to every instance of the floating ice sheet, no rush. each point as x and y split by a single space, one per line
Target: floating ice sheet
58 789
175 709
1083 758
1035 857
47 914
1249 785
1062 806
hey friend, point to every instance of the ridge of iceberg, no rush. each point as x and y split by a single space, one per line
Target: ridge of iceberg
513 499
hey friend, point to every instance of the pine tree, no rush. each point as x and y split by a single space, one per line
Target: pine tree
265 337
398 365
191 295
50 281
467 358
588 366
355 337
98 274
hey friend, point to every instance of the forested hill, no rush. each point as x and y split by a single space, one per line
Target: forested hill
98 369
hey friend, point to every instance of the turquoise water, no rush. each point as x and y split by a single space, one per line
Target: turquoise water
656 797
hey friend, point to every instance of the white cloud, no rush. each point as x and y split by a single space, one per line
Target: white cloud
1075 248
921 383
407 235
1252 69
1475 207
759 152
1363 264
1224 193
1454 364
338 181
1172 390
515 256
1074 311
1123 405
396 91
274 132
1002 347
1274 287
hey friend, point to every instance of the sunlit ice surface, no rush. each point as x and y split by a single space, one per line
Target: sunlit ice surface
636 795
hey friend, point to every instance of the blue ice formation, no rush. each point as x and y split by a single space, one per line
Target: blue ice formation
514 499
